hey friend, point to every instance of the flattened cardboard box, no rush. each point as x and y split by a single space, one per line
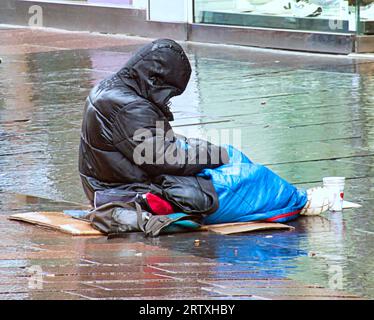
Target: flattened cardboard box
66 224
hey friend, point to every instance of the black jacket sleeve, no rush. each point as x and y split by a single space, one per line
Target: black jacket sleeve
141 135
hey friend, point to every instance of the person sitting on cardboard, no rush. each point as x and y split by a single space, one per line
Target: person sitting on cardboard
130 153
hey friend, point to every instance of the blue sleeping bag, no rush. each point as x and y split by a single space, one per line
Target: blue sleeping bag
252 192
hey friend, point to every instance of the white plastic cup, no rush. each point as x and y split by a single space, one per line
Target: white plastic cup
335 187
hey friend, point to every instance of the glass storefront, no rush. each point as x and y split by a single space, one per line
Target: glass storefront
366 17
333 16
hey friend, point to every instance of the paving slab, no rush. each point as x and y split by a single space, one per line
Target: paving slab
305 116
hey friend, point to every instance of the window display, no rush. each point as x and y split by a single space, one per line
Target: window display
366 17
309 15
281 7
367 10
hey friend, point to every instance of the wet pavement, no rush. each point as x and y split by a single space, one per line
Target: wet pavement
305 116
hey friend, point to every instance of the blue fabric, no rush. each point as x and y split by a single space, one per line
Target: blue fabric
182 144
76 213
182 225
252 192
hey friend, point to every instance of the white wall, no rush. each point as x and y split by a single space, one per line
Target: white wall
140 4
170 10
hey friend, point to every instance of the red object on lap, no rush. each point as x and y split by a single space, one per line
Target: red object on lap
158 205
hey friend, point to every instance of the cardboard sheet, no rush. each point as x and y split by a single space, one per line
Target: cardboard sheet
67 224
241 227
58 221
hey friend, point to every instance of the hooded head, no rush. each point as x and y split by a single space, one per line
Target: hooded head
158 72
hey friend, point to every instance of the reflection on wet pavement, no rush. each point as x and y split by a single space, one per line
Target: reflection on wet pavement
305 116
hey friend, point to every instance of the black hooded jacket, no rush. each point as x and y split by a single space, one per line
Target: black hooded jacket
122 124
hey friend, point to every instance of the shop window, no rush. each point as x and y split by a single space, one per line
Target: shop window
333 16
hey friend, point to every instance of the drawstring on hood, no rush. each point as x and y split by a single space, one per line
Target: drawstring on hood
158 72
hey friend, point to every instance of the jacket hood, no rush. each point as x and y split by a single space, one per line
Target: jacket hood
158 72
